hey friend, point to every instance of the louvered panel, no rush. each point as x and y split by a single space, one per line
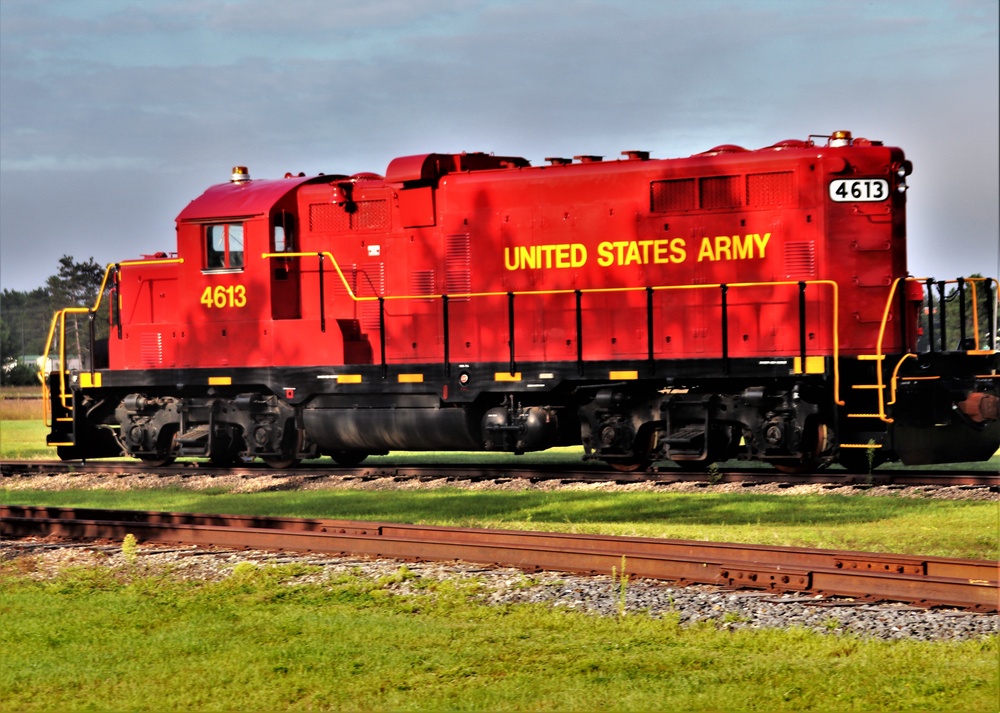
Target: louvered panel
800 260
458 265
151 349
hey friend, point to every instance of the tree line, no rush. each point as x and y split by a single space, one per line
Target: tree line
25 317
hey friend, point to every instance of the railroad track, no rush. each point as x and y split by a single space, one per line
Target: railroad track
923 581
564 473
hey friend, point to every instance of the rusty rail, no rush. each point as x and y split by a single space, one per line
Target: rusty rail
926 581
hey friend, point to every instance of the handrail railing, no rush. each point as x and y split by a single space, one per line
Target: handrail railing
723 287
59 318
879 357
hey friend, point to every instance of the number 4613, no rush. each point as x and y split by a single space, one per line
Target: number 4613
221 296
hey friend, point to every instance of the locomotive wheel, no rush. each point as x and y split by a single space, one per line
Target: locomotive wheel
157 461
348 459
810 462
286 460
281 463
629 466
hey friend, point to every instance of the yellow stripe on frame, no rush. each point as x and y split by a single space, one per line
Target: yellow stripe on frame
625 375
90 381
814 365
411 378
506 376
220 381
348 378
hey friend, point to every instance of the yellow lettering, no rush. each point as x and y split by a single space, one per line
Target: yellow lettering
761 242
579 255
706 250
677 246
661 252
742 247
605 256
632 255
722 243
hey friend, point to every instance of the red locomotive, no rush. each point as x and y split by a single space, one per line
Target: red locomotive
735 303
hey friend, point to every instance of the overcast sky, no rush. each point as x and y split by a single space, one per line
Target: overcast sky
115 113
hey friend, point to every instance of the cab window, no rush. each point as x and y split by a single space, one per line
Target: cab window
284 232
224 246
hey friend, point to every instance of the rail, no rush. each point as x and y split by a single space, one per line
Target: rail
928 581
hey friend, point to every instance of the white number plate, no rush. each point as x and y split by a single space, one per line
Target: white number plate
849 190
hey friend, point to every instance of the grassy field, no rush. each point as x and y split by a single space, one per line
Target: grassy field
264 640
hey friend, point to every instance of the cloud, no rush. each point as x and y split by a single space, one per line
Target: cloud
117 107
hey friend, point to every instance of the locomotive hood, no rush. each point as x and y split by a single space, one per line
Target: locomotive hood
241 198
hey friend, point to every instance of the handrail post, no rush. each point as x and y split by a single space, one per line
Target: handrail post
381 334
116 303
91 319
961 313
725 328
904 345
930 311
579 330
802 324
447 335
991 311
322 295
944 316
510 326
649 330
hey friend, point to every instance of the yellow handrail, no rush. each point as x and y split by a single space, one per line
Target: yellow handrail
908 353
60 318
596 290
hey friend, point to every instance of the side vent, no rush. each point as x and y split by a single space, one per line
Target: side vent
673 196
721 192
335 218
151 349
800 260
770 189
371 283
458 261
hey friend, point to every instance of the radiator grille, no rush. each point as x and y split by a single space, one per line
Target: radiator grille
770 189
670 196
333 218
720 192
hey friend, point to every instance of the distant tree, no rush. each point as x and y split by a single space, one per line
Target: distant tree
77 284
24 322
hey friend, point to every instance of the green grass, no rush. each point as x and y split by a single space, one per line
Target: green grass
888 524
261 641
24 440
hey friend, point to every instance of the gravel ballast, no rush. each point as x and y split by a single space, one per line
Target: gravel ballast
595 595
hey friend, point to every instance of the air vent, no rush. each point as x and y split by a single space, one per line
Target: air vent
800 260
721 192
671 196
770 189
